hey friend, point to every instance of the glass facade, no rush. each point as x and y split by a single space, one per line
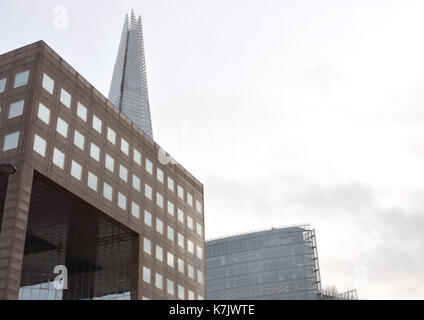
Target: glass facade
279 264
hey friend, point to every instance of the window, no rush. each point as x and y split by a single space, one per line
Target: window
82 111
170 184
95 152
199 229
159 200
59 158
180 215
92 181
190 271
149 166
159 225
170 259
122 201
107 192
123 173
97 124
198 206
181 292
181 240
170 233
148 192
180 265
40 145
170 287
135 210
76 170
48 84
43 113
159 174
147 246
190 199
200 276
199 253
147 218
109 163
111 136
190 222
79 140
125 147
62 128
65 98
16 109
190 246
190 295
21 79
2 85
137 157
159 253
159 281
170 208
199 297
147 275
181 192
136 183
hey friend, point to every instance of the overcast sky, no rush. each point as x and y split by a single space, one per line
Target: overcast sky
288 111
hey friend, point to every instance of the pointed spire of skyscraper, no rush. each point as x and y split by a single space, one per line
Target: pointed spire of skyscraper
128 90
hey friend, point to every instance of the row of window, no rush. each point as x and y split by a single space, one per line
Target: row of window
97 124
20 80
171 288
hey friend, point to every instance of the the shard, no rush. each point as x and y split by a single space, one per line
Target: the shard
128 90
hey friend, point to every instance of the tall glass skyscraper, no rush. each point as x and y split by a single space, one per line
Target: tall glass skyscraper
128 90
277 264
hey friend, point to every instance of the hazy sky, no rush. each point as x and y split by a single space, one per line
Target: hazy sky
288 111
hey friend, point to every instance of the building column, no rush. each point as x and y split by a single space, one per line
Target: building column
13 232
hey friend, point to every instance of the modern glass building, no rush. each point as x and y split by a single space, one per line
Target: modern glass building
277 264
128 90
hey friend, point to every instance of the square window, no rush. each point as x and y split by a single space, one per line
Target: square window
199 229
135 210
190 222
136 183
79 140
170 259
123 173
16 109
181 240
125 147
97 124
159 281
170 208
170 184
48 84
181 192
76 170
159 200
159 175
159 225
198 206
122 201
43 113
170 287
59 158
11 141
3 85
65 98
190 199
62 128
149 166
170 233
147 275
148 192
110 163
147 246
111 136
159 253
181 292
21 79
95 152
107 192
40 145
181 266
180 215
82 112
92 181
147 218
137 157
